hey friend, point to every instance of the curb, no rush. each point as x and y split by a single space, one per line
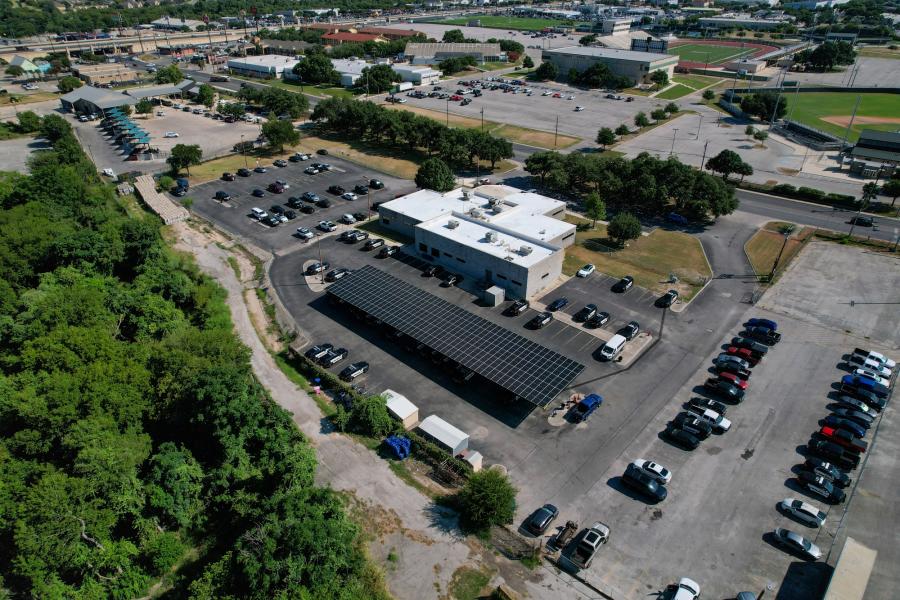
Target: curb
712 276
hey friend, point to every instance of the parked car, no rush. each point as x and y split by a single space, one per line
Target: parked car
700 403
733 379
856 361
376 184
876 356
623 285
818 485
228 176
558 304
732 368
831 472
222 196
347 219
630 330
763 334
875 376
844 438
540 519
516 308
349 196
373 243
280 163
334 357
276 188
335 274
744 354
318 351
857 405
685 589
337 190
859 417
311 170
724 389
595 536
257 193
244 172
317 267
586 270
304 233
540 320
667 299
362 190
654 470
451 279
586 406
433 271
757 349
387 251
326 226
354 371
690 423
842 458
838 423
307 209
585 313
598 319
260 169
797 544
718 423
739 362
643 484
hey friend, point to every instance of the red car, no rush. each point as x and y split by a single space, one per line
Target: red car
734 379
557 95
844 438
455 98
743 353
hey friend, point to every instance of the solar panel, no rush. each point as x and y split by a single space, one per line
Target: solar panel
527 369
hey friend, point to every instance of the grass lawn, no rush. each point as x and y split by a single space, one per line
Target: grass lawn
401 163
698 82
496 66
764 246
879 52
501 22
710 53
23 99
467 583
812 108
675 92
649 259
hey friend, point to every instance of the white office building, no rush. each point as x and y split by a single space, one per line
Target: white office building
494 233
265 66
417 75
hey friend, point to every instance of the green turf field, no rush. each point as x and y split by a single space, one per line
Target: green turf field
675 92
697 82
712 54
811 108
509 23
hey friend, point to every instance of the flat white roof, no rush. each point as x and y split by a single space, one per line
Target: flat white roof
443 431
399 405
346 66
424 205
265 60
612 53
489 240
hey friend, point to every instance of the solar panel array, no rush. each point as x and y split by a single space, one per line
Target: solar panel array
527 369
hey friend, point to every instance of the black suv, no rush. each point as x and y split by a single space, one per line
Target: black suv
630 331
222 196
336 190
541 320
667 299
361 189
693 425
318 351
433 271
375 184
387 251
623 285
725 389
244 172
683 438
586 313
643 483
516 308
294 202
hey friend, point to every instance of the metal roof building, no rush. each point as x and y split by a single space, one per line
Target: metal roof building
428 53
87 99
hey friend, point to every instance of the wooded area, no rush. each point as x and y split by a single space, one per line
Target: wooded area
133 435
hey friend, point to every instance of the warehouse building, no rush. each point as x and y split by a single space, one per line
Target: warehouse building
430 53
349 69
106 73
88 100
417 75
495 233
875 154
266 66
745 21
634 65
347 37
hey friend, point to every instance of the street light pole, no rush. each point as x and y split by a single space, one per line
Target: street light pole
787 235
698 126
243 151
674 133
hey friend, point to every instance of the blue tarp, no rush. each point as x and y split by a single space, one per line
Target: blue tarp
399 445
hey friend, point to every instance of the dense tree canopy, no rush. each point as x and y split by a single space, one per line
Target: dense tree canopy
764 105
316 68
434 174
131 426
280 134
277 101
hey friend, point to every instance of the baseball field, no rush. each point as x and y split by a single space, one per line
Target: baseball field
710 53
502 22
831 111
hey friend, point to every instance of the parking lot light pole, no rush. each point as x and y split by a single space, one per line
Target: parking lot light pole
674 133
243 151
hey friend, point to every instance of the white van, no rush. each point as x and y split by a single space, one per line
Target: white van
259 213
613 347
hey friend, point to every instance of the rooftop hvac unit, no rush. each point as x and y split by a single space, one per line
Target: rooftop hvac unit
475 212
498 207
491 236
452 224
525 250
465 195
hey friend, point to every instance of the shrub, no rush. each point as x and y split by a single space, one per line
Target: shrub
162 551
487 499
165 183
811 194
370 416
784 189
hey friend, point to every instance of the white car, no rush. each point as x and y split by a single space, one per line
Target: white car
171 134
654 470
586 270
570 97
804 512
348 219
579 108
160 113
327 226
686 589
283 184
108 172
715 420
875 367
304 233
349 196
877 357
874 376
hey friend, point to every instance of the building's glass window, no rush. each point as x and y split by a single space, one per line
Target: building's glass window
503 277
435 252
544 276
516 282
460 260
423 247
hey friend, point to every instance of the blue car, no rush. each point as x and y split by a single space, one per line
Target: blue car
676 218
839 423
768 324
864 383
558 304
583 409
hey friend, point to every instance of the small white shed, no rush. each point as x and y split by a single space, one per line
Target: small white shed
444 434
402 409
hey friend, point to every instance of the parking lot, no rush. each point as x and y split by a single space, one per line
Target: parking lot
538 111
234 215
213 136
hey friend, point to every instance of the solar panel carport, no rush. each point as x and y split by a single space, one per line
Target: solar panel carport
514 363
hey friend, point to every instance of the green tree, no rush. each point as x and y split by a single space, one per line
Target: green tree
170 74
126 109
527 62
764 105
622 129
605 137
370 416
725 162
659 115
232 109
623 227
280 134
641 120
317 69
183 156
175 485
29 122
588 40
547 71
68 83
454 36
15 71
708 95
671 108
434 174
488 498
377 79
143 107
595 208
869 193
891 188
749 130
761 136
54 127
744 169
544 163
660 78
206 95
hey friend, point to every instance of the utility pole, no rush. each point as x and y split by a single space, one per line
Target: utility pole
482 119
674 133
850 124
787 235
556 132
698 126
703 160
448 112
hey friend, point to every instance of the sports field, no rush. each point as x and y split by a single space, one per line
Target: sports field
710 53
500 22
831 111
